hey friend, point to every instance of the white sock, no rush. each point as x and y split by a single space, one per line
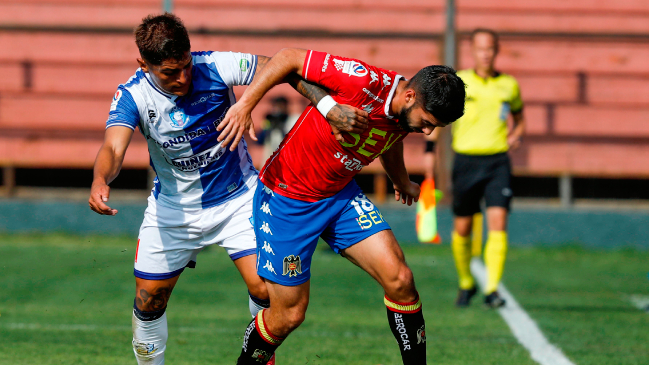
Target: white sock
256 305
150 340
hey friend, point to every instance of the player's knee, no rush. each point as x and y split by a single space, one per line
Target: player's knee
294 318
401 286
258 289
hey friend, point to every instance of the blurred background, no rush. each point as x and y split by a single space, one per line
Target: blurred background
580 174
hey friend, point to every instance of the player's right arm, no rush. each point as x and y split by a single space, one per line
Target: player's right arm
107 166
122 121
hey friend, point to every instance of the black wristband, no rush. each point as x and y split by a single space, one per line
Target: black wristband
430 146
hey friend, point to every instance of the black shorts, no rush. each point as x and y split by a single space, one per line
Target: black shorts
475 177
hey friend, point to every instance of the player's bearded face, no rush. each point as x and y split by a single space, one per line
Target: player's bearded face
403 119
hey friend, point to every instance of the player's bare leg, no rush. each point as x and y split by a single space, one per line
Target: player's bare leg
495 253
150 320
271 326
381 256
257 291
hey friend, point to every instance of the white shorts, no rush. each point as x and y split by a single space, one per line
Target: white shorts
170 239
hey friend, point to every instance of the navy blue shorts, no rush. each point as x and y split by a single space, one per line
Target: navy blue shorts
287 229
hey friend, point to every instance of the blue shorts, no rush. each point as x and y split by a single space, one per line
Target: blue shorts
287 229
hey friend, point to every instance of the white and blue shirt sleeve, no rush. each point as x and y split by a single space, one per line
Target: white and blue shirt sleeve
123 110
234 68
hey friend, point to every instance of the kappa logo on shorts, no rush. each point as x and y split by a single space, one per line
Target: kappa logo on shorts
266 247
265 228
265 208
269 267
268 191
292 265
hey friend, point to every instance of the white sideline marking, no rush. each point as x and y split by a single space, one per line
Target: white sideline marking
522 325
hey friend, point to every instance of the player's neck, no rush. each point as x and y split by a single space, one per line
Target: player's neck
398 101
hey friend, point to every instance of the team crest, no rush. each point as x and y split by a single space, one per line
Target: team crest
178 118
144 348
261 356
421 335
292 265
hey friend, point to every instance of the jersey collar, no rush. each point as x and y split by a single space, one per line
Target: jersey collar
388 100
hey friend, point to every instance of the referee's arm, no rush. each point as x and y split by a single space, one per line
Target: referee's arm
516 135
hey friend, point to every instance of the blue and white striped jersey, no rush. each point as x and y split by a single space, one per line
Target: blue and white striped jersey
193 170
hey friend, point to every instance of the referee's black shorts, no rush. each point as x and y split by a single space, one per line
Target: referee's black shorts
475 177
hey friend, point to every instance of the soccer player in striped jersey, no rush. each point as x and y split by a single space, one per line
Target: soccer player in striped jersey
203 191
307 191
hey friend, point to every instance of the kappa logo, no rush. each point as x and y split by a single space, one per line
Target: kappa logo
265 208
374 76
351 68
421 335
268 191
326 63
292 265
178 117
386 80
368 108
265 228
266 247
269 267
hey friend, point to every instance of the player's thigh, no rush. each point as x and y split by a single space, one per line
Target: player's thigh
169 241
468 185
153 295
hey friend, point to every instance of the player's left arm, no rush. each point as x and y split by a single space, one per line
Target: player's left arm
392 160
271 72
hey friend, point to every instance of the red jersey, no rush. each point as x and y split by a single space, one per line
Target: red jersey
310 164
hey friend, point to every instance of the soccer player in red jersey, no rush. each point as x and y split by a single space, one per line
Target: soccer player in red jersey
307 188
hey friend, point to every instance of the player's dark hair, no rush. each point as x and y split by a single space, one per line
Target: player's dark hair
162 37
440 91
491 32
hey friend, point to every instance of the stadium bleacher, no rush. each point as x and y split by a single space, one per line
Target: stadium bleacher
581 65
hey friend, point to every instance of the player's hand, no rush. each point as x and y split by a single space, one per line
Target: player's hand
99 193
236 122
408 193
513 141
345 118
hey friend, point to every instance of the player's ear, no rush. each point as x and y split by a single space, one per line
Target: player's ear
143 65
410 97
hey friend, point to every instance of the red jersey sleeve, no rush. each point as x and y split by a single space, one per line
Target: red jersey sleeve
344 76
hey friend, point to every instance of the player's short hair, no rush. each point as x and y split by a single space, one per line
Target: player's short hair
162 37
440 91
491 32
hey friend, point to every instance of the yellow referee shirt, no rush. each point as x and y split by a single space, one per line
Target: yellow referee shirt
483 128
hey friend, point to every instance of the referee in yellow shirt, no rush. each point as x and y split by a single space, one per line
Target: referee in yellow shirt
481 139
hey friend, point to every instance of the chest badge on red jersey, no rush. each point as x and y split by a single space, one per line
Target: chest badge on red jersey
351 68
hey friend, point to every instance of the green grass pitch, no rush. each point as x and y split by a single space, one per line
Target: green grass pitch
68 299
